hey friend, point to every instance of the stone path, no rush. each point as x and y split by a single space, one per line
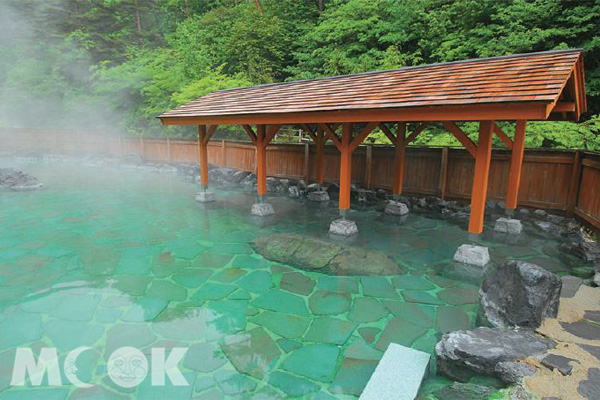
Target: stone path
572 369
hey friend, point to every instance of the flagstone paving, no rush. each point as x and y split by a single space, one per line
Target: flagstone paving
129 259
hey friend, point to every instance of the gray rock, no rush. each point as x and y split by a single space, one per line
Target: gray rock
461 354
562 364
205 197
396 208
513 372
132 159
472 255
285 183
596 279
293 191
586 250
13 179
239 176
570 286
249 180
518 293
548 227
540 213
301 185
343 227
590 387
313 187
312 254
262 209
464 391
318 196
507 225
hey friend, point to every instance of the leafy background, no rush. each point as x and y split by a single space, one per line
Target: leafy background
113 65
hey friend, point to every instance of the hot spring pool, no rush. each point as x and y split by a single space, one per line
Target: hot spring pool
107 258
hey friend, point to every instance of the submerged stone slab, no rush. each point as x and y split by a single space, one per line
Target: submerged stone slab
472 255
330 330
289 326
570 286
262 209
353 376
281 301
297 282
367 310
205 197
343 227
204 357
401 332
508 225
396 208
251 352
398 375
292 385
378 286
314 361
313 254
329 303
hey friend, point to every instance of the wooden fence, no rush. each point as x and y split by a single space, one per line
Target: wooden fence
566 181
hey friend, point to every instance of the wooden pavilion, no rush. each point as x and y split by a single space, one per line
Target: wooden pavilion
346 109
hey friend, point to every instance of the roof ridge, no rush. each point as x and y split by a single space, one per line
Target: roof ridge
408 68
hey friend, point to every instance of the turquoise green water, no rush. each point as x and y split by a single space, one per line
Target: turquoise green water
105 258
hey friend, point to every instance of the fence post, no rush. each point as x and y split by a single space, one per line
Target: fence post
369 166
224 152
306 168
574 186
443 172
169 148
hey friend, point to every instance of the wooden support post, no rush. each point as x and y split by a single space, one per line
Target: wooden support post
369 166
400 146
143 150
203 155
261 162
169 149
306 167
516 165
443 172
483 155
320 149
345 167
574 187
224 152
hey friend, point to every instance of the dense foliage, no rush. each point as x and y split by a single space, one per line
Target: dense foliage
116 64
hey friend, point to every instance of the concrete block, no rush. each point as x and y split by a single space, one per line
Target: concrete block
262 209
472 255
343 227
398 375
396 208
205 197
508 225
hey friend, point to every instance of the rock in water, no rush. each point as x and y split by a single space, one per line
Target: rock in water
312 254
13 179
461 354
396 208
472 255
318 195
518 293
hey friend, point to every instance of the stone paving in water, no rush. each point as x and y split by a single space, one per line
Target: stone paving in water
110 259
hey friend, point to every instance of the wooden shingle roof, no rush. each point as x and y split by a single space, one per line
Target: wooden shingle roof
547 85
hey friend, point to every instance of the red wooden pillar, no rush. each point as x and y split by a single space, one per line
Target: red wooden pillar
203 155
483 157
516 165
261 159
320 149
345 167
399 159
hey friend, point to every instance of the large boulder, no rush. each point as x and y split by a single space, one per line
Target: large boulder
312 254
461 354
518 293
13 179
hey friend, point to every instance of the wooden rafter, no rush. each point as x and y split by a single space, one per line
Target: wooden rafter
211 130
462 137
330 133
310 132
250 133
416 132
356 141
270 134
387 132
503 136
